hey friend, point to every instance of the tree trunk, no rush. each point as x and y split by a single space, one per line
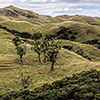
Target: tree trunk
44 57
21 62
39 57
56 55
52 67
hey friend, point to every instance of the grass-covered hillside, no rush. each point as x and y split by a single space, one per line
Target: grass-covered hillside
81 86
80 52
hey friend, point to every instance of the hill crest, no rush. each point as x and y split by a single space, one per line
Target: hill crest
12 11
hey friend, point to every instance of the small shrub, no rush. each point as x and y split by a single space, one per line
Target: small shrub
25 79
6 97
69 47
62 95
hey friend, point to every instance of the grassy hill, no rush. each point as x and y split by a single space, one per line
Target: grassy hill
74 57
82 19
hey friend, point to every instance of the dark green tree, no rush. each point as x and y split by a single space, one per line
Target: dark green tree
53 51
21 48
44 47
37 48
36 36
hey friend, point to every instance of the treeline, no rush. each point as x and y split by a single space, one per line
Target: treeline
81 86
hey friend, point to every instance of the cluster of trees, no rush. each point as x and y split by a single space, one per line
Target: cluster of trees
81 86
41 45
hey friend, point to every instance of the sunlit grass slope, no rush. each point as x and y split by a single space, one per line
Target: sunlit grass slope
84 32
67 63
87 51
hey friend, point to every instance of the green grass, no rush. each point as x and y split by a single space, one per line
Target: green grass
88 50
84 32
67 64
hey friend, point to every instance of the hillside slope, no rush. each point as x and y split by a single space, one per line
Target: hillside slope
81 86
69 61
82 19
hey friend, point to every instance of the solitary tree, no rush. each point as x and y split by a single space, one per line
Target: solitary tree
52 52
21 48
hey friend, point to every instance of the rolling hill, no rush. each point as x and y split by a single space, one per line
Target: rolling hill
80 51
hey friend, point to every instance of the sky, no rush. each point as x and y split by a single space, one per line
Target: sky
57 7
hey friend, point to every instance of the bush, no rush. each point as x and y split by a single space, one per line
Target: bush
62 95
6 97
97 96
68 47
85 96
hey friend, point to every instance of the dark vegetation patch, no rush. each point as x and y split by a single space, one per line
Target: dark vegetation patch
68 47
65 33
25 35
94 42
79 51
81 86
16 33
76 32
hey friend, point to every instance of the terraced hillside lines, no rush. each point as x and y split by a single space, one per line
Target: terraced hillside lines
6 64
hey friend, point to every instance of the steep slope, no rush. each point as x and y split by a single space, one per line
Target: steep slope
14 13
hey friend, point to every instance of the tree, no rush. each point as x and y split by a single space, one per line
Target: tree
21 48
37 48
36 36
52 52
25 79
44 47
